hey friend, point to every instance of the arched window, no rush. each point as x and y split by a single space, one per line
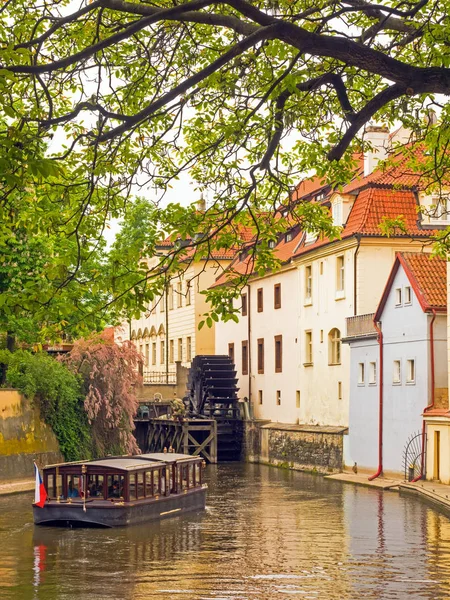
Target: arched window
334 347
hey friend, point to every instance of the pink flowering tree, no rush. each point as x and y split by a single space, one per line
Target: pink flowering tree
110 374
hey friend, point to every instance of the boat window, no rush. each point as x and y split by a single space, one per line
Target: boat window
148 483
73 486
95 485
50 485
59 486
157 482
116 485
184 477
140 485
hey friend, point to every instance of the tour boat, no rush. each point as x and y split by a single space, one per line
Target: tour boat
122 490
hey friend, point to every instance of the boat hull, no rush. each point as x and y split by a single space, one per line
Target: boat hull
118 514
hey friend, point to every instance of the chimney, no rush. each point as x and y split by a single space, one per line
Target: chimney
201 204
378 138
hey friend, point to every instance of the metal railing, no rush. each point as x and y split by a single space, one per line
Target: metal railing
160 377
360 325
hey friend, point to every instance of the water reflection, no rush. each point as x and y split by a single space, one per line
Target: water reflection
265 534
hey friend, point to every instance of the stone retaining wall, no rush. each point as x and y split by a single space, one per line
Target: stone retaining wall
302 447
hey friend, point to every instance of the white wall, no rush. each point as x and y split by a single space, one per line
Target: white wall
405 336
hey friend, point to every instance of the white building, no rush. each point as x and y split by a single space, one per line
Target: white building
412 319
305 374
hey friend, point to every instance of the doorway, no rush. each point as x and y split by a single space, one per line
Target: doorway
437 455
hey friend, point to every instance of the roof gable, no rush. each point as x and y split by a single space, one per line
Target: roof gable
427 275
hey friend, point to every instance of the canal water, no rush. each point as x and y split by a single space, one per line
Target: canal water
266 534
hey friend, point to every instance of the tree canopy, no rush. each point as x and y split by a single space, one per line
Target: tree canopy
103 98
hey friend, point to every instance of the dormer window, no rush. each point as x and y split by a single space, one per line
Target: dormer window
320 197
289 236
336 210
271 244
285 212
439 209
311 236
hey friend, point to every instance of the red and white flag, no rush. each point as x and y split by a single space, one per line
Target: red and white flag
40 494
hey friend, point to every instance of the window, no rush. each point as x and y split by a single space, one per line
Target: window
272 244
334 347
245 358
398 296
277 295
180 349
188 349
162 350
231 352
321 336
260 344
311 236
162 306
361 369
308 284
171 351
170 297
244 305
297 399
396 378
410 370
308 348
147 355
439 209
340 276
188 292
408 296
259 300
278 397
278 353
289 236
372 373
336 210
179 294
154 353
339 390
260 396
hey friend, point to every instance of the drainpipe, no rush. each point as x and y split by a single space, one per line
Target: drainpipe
431 405
166 295
380 414
249 333
355 275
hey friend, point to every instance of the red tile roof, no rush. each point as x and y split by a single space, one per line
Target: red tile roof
390 192
428 276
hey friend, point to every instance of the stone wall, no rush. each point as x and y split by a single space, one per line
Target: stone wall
167 390
301 447
24 438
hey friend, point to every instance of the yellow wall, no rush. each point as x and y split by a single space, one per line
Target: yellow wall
23 438
434 424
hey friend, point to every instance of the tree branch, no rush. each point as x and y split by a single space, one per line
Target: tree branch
262 33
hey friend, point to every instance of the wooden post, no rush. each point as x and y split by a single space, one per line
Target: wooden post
185 437
213 451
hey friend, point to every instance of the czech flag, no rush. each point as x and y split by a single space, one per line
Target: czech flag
40 495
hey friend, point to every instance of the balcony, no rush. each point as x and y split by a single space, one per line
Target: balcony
159 377
360 326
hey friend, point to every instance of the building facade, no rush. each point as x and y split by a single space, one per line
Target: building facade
414 357
322 282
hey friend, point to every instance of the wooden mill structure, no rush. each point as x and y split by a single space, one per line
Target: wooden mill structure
212 427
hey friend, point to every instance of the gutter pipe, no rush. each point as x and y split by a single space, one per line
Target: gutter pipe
249 348
355 274
431 405
380 413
